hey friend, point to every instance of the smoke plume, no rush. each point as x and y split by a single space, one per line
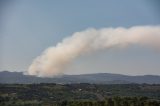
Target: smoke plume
54 60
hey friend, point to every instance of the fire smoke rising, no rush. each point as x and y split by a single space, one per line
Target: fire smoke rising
54 60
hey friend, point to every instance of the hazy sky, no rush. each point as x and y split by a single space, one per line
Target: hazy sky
27 27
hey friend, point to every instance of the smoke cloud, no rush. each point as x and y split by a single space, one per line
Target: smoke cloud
54 60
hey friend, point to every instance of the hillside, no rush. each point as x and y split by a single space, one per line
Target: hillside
99 78
79 94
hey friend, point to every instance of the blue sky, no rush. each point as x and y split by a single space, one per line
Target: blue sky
30 26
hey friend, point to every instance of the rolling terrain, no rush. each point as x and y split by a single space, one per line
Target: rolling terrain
98 78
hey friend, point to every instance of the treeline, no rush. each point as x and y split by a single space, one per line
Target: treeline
82 94
114 101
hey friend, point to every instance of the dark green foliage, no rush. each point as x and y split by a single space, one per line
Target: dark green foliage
79 95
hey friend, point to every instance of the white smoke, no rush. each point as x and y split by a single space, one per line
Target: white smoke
54 60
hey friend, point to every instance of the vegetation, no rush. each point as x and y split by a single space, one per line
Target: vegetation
82 94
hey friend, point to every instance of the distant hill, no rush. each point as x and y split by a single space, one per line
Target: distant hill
98 78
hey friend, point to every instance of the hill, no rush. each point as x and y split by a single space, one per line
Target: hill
98 78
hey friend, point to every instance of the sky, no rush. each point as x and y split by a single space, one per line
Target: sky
28 27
